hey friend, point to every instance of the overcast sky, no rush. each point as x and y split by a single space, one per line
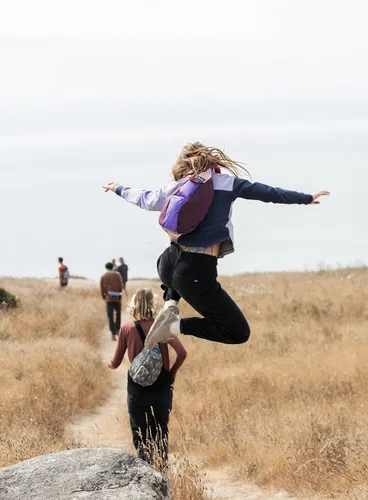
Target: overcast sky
82 63
91 90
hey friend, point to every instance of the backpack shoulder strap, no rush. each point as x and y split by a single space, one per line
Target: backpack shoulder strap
140 332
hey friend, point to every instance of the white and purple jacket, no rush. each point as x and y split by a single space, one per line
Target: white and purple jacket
216 227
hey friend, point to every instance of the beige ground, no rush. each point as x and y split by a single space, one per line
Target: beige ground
105 427
108 427
223 489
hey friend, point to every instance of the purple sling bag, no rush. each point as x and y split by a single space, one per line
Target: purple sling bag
188 206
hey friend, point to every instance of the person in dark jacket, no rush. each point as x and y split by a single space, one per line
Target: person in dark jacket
123 270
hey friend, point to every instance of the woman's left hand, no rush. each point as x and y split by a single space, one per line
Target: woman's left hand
111 186
318 195
109 364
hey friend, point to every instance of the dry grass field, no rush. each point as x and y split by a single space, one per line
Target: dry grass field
287 410
49 365
50 370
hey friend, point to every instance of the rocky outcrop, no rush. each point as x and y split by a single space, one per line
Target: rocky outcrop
83 474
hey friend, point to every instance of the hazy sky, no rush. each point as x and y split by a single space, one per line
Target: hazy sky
91 91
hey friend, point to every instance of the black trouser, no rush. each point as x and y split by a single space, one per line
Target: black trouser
193 277
149 418
114 319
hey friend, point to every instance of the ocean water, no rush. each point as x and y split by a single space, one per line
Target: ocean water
52 202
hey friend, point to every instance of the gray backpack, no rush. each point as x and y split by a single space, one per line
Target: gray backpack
65 276
147 365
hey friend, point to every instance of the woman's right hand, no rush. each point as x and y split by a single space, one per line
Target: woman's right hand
318 195
111 186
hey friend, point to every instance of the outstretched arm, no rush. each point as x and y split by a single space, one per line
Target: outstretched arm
257 191
148 200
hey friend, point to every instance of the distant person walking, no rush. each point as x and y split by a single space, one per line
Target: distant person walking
114 266
111 286
188 267
63 273
149 407
123 270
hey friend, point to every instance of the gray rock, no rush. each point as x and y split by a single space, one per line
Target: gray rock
87 473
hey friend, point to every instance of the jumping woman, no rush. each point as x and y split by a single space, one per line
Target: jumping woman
188 267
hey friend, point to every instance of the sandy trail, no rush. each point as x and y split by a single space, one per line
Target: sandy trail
222 487
108 426
105 426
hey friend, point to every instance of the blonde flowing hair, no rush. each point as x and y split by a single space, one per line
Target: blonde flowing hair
143 304
196 158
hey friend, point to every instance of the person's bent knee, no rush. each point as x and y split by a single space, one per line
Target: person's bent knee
246 334
240 334
243 336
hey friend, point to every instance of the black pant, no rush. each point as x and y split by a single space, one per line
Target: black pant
193 277
114 319
149 418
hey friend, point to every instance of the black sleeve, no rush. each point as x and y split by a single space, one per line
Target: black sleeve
268 194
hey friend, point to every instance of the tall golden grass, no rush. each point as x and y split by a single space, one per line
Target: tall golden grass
49 366
289 409
50 370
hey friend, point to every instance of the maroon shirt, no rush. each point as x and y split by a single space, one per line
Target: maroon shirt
130 340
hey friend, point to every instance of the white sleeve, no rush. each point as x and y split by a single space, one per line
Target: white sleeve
149 200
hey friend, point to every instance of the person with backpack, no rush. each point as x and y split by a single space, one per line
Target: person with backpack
196 212
150 379
63 272
111 287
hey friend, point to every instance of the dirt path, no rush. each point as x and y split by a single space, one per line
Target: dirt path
223 488
105 427
108 426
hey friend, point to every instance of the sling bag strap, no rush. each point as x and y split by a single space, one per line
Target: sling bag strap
140 332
